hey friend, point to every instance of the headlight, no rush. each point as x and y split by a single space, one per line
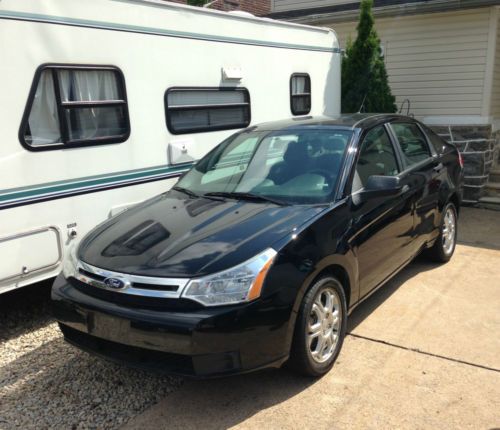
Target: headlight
69 262
239 284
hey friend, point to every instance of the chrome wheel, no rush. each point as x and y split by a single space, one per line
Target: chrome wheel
449 231
324 323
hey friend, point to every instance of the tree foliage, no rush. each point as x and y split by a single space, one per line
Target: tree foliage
364 77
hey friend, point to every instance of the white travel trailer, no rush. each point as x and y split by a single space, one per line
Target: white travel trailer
105 102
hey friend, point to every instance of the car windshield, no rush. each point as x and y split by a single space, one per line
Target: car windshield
289 167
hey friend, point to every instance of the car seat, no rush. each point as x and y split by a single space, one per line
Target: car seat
295 162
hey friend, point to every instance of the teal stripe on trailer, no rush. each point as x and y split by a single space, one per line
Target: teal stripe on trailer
61 20
87 184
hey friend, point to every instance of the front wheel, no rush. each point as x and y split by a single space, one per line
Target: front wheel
444 247
320 328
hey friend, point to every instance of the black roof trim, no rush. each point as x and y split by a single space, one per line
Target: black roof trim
351 121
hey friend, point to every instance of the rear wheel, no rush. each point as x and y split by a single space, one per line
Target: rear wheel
444 247
320 328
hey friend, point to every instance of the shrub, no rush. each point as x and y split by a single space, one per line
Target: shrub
364 77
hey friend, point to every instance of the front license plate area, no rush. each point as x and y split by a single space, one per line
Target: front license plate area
107 327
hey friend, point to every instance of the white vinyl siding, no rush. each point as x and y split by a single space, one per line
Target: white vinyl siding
437 61
495 96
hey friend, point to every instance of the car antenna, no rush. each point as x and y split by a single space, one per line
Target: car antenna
362 104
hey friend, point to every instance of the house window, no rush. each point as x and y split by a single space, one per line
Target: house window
75 106
194 110
300 93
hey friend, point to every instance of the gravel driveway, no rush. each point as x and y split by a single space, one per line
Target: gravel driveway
47 383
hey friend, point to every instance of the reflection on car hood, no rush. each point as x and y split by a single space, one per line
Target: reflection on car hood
174 235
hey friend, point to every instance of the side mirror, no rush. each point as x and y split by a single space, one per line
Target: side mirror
380 186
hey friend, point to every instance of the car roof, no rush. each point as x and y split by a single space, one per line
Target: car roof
349 121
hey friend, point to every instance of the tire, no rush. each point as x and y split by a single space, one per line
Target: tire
308 356
445 244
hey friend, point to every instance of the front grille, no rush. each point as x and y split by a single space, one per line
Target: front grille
92 275
135 301
154 287
138 285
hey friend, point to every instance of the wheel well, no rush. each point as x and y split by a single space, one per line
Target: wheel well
341 274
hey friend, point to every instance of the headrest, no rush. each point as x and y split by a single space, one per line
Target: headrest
296 152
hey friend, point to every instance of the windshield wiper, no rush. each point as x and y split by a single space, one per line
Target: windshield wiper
185 191
246 196
193 194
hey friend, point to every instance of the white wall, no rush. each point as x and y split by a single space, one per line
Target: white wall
436 60
495 94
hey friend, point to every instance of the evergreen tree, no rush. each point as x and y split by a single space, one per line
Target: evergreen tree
364 78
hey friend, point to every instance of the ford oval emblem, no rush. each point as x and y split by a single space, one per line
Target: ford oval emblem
114 283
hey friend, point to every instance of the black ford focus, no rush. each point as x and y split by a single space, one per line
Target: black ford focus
260 251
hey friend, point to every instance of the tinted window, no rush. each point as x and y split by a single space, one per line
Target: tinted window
300 93
299 166
412 142
195 110
71 106
377 157
437 142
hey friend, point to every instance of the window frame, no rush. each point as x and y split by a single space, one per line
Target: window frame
401 154
306 75
168 119
62 106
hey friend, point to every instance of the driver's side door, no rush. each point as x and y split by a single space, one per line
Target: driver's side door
382 225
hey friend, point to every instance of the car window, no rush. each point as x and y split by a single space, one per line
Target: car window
412 142
377 157
300 166
438 142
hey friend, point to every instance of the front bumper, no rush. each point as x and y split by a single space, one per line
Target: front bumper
197 342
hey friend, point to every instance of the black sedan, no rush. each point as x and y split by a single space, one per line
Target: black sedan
260 251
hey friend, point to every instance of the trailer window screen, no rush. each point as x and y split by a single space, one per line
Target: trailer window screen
194 110
300 93
75 106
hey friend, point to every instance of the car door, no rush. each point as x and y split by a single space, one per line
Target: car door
382 225
423 173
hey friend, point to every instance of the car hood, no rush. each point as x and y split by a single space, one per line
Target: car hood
174 235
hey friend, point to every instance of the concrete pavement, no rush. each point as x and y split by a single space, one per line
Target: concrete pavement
423 352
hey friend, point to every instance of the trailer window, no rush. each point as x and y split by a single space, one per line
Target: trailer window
300 93
75 106
195 110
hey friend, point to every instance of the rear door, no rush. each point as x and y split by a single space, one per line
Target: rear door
382 225
424 174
